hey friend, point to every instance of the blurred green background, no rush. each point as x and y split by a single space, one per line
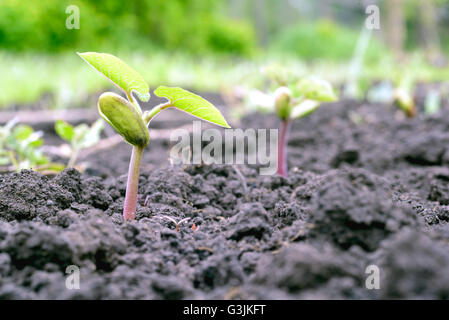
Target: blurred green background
210 45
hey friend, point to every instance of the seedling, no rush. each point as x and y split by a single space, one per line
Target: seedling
178 223
404 79
297 101
127 118
80 137
20 146
404 100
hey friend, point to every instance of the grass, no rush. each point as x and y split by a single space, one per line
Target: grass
27 77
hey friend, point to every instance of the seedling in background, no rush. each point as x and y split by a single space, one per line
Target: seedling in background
80 137
294 102
404 100
20 146
178 223
127 118
404 79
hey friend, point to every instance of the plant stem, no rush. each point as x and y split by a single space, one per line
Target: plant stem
14 161
73 158
282 147
132 185
148 115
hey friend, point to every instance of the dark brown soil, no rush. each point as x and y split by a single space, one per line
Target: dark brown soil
366 186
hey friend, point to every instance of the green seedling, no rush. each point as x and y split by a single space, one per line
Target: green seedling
297 101
404 100
20 146
404 78
80 137
127 118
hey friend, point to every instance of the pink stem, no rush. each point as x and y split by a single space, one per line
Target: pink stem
132 185
282 147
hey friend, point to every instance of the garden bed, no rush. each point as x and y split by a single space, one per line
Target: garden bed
366 186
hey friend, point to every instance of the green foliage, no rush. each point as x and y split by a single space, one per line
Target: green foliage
195 26
81 136
64 130
125 116
127 119
20 146
313 88
295 97
192 104
311 91
119 73
234 37
323 40
304 108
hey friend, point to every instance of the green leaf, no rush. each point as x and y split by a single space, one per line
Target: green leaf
122 75
315 89
304 109
91 136
123 117
192 104
64 130
22 132
35 140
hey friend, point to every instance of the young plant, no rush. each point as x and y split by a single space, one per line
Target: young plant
80 137
294 102
404 78
403 98
177 223
127 118
20 146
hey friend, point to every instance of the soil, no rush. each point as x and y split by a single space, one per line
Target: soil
366 186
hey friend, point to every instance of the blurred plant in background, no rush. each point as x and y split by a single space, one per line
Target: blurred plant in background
80 137
324 39
213 45
195 26
20 146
